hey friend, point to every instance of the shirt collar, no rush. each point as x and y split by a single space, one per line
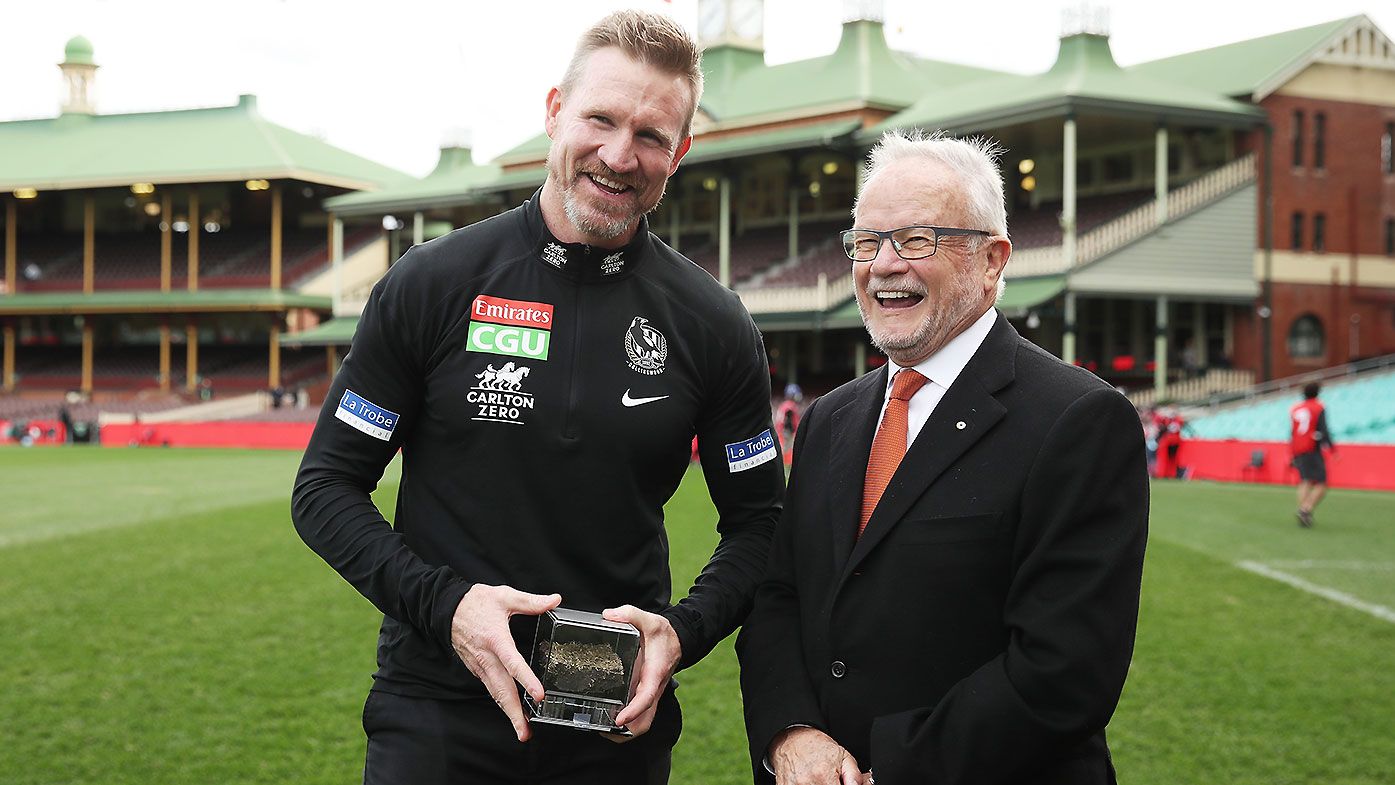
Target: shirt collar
579 261
944 366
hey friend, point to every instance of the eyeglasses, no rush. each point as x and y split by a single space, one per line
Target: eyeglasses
909 242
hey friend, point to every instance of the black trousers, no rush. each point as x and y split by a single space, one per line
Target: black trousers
423 741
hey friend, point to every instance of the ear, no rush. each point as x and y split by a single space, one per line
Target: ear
554 108
997 253
683 148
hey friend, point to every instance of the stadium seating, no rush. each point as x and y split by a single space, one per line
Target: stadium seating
131 260
1041 227
1361 411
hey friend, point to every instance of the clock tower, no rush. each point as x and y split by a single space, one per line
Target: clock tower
737 23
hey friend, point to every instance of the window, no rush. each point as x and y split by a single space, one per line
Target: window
1298 137
1297 230
1319 141
1387 156
1305 337
1319 232
1390 237
1118 168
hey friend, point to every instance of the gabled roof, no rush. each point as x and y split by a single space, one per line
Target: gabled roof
183 146
455 180
1244 68
1084 79
862 71
741 90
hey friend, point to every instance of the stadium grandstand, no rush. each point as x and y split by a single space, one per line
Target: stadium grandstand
1136 194
1182 227
153 258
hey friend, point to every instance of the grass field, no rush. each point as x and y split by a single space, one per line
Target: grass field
160 622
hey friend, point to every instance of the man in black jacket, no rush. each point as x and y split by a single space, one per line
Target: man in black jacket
961 611
544 373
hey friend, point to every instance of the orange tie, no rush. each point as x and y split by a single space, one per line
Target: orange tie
889 445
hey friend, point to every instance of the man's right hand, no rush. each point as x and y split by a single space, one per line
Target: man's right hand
808 756
479 633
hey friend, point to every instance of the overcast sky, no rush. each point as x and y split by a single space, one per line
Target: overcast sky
392 79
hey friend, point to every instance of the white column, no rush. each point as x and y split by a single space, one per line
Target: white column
418 228
1160 347
724 232
1160 175
336 259
1068 197
1068 336
794 222
859 358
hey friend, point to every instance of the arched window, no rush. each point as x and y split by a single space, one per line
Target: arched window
1305 337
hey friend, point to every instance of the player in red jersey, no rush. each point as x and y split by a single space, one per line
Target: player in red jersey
1309 435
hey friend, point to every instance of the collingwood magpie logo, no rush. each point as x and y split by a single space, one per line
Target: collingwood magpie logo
555 255
645 347
498 395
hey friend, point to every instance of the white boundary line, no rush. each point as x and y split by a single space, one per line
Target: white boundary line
1341 598
1320 564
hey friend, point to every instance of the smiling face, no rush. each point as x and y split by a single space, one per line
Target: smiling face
912 309
615 142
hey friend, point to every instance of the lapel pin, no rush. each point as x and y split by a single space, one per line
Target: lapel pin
961 425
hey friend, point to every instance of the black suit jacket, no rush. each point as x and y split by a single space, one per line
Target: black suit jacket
981 628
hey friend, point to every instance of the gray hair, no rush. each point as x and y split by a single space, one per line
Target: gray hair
652 39
975 160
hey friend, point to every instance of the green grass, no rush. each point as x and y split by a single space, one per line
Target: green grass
162 623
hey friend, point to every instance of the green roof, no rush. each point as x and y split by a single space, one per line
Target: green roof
863 71
155 301
184 146
1084 78
531 177
455 180
78 51
782 138
1242 68
338 331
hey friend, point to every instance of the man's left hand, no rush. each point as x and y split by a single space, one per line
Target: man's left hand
659 654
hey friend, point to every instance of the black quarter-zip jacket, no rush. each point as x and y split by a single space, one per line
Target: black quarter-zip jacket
544 397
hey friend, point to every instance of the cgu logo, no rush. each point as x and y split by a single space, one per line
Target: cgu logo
507 340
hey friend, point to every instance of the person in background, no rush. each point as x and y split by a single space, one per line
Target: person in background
1308 436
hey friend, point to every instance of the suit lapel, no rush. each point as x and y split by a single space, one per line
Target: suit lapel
854 425
942 441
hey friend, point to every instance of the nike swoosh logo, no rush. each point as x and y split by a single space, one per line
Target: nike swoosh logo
628 401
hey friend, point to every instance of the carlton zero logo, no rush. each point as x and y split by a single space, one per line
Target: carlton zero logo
516 328
498 395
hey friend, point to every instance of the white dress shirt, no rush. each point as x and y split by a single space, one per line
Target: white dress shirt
941 368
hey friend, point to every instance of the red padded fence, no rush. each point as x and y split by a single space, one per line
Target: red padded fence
1367 466
225 433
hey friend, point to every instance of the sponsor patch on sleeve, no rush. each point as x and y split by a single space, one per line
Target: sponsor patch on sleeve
752 452
368 417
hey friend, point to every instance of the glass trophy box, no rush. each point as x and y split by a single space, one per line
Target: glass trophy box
585 663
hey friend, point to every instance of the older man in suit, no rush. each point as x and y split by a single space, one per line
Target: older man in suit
962 610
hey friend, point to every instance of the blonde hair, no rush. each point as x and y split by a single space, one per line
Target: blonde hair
654 40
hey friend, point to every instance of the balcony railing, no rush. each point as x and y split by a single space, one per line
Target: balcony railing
1136 223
